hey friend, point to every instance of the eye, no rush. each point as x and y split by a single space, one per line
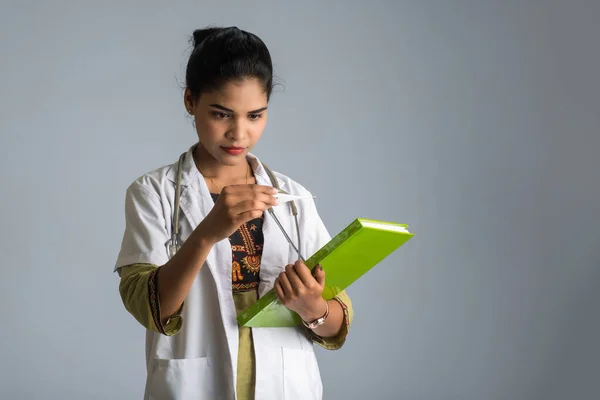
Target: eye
220 115
254 117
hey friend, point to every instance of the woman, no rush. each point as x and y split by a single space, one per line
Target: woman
232 252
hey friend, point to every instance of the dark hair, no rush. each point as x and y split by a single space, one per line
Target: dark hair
221 55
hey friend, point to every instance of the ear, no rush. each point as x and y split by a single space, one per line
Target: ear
188 101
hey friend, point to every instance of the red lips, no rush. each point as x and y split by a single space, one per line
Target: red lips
233 150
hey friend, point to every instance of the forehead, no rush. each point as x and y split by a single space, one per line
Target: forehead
239 95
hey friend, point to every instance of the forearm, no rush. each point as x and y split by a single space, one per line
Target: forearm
334 322
178 274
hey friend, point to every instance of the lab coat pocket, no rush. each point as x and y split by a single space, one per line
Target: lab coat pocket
182 379
301 377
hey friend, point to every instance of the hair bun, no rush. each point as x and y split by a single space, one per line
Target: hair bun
224 54
200 35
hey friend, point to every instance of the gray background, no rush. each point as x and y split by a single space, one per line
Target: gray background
476 122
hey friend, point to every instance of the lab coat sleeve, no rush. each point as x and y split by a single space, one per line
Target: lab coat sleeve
145 237
319 236
142 253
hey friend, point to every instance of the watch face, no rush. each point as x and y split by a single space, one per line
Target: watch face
314 324
319 321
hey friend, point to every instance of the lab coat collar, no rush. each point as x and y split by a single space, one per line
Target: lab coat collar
190 172
262 178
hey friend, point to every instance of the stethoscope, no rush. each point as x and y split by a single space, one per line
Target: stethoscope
174 243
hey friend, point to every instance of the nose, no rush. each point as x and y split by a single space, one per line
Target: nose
237 130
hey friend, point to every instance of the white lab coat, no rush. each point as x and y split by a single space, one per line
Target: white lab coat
200 361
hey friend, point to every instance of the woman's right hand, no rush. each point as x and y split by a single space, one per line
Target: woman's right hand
236 205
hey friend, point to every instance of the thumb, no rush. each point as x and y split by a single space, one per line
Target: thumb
320 275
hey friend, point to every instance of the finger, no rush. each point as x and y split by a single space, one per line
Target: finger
268 198
248 189
240 211
235 194
264 189
261 202
279 291
285 285
248 205
320 275
304 273
247 217
295 281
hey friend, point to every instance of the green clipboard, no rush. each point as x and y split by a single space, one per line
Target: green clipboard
356 249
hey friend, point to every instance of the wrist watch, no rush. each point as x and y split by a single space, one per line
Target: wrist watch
319 321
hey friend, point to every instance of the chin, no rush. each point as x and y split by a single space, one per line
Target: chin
228 162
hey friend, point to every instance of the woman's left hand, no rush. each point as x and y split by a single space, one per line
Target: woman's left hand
300 291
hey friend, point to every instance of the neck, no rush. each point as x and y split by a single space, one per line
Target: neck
211 168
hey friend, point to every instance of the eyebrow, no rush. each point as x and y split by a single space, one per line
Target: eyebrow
231 111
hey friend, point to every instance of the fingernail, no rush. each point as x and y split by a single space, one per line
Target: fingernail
320 267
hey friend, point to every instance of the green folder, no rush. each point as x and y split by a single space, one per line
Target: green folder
345 258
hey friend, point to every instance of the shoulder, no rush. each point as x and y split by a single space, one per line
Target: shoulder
152 183
151 193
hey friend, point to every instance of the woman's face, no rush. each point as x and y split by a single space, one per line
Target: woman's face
229 121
